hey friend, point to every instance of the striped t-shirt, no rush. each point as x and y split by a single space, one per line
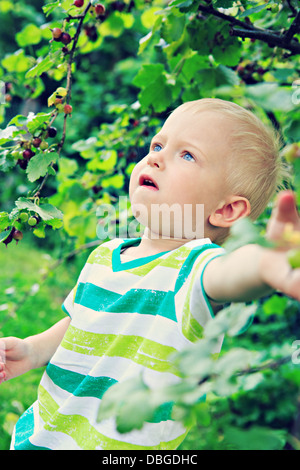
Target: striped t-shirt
127 318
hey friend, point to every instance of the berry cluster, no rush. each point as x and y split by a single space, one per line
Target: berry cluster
25 152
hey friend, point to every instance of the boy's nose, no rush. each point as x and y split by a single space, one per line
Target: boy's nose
156 159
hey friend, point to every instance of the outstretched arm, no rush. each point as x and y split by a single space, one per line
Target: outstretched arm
18 356
253 271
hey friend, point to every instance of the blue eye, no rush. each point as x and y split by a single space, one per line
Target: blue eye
156 148
188 157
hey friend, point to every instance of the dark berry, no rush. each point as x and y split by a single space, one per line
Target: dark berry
52 131
36 142
118 6
27 154
65 38
22 164
79 3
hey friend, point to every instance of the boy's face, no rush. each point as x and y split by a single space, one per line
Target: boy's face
182 175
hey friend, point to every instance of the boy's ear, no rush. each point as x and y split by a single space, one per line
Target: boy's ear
230 211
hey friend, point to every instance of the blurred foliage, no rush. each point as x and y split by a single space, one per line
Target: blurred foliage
122 73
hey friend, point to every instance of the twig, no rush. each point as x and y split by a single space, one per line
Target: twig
291 6
267 366
294 29
246 29
68 88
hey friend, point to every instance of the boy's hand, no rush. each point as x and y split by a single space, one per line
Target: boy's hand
253 271
276 268
16 357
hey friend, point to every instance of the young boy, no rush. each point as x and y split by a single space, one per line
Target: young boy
139 300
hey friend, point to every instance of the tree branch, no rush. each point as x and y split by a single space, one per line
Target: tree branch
245 29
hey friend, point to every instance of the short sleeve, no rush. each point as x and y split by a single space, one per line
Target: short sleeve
68 304
191 302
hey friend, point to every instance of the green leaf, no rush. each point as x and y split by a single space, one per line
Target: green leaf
243 232
172 28
116 181
50 7
45 211
7 161
275 305
17 62
6 135
4 235
38 165
35 121
4 220
31 34
148 74
271 97
255 438
232 320
158 94
43 65
60 91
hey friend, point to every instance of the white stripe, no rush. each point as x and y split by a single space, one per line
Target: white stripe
117 368
155 328
120 282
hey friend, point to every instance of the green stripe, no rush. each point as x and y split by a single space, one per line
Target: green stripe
140 350
146 268
143 301
101 255
86 436
47 406
176 258
191 329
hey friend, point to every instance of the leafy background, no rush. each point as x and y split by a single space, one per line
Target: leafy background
128 70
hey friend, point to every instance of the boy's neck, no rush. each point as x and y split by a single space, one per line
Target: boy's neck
151 244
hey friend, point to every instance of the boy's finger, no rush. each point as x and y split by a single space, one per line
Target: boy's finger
286 209
2 351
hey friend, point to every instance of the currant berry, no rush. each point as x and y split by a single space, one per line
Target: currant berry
56 33
44 145
32 221
23 217
36 142
52 131
65 38
79 3
17 235
28 154
9 238
22 164
68 109
100 9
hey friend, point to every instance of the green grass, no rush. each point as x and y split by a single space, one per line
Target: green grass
29 303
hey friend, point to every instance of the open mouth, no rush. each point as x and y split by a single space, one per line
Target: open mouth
147 181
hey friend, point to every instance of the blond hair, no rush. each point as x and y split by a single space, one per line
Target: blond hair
255 169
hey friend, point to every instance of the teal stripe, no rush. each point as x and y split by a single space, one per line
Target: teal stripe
24 430
86 386
78 384
143 301
95 297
